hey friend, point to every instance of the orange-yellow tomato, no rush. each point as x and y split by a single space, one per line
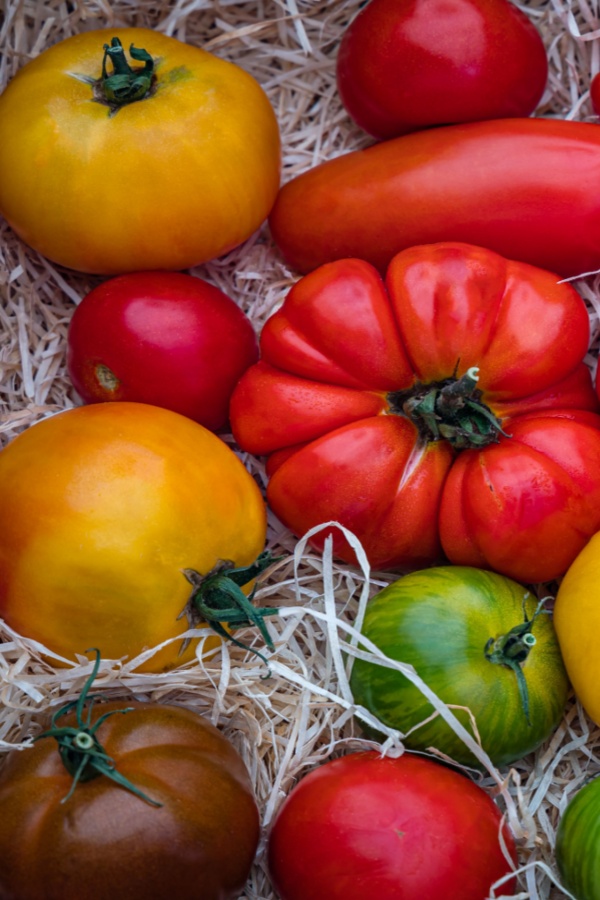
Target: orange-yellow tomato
175 178
102 507
577 625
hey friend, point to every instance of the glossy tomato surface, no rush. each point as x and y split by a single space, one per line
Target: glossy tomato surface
347 403
162 338
403 65
406 828
577 620
520 187
178 177
577 848
105 842
102 508
463 631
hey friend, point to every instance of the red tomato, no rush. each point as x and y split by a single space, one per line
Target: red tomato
367 827
368 405
162 338
522 187
408 64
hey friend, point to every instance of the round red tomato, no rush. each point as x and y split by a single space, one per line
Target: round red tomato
162 338
444 413
365 826
103 841
404 65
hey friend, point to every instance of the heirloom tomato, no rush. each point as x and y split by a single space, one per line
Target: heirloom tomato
445 411
193 832
403 65
577 622
365 826
110 516
162 338
479 641
577 847
111 165
522 187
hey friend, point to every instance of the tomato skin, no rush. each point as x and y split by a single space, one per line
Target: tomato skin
520 187
578 842
104 841
102 507
440 621
402 828
576 622
595 93
346 352
404 65
167 339
168 182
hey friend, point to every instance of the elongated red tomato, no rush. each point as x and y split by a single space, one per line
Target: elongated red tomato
526 188
445 412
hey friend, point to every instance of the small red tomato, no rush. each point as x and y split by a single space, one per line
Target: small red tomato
367 827
162 338
404 65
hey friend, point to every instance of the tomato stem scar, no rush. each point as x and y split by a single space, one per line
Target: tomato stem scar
450 410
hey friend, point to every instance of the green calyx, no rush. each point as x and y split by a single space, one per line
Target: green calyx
512 649
125 84
450 410
82 755
217 599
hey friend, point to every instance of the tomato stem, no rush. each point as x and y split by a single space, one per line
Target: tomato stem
217 599
82 754
513 648
125 85
450 410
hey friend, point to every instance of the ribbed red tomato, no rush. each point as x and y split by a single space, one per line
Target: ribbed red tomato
408 64
447 411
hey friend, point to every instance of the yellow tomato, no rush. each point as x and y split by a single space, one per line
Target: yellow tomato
176 177
102 508
577 625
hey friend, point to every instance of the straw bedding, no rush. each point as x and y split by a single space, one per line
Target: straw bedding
302 714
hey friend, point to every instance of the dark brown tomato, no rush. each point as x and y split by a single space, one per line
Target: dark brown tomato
105 842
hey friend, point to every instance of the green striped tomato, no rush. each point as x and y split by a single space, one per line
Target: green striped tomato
578 843
478 641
